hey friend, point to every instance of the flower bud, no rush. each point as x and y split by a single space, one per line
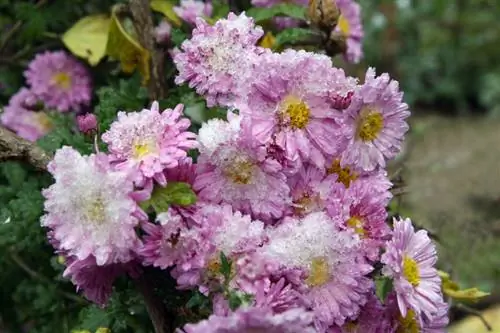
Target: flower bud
86 122
324 14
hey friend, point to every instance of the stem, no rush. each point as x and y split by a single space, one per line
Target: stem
143 22
476 313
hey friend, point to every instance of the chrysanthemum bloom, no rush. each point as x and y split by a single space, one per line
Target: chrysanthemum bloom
336 280
351 26
189 10
89 208
254 320
289 104
221 231
59 80
362 208
162 32
148 142
231 170
217 59
20 116
376 123
415 323
94 281
168 242
409 259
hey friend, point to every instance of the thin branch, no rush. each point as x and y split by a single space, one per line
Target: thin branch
13 147
474 312
143 22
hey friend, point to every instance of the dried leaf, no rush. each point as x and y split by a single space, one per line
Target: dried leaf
452 289
88 37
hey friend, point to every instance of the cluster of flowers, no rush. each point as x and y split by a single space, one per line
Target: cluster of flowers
291 194
56 81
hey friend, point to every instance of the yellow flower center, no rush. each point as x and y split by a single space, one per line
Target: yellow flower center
268 40
344 175
344 25
96 211
62 80
357 224
44 121
296 111
240 172
213 267
143 148
411 271
408 324
320 273
351 327
370 123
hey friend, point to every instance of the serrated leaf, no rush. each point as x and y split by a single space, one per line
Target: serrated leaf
383 286
166 8
284 9
88 38
175 193
123 47
452 289
292 36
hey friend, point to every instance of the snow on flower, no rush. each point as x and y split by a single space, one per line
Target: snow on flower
59 81
409 259
148 142
22 117
253 320
289 105
335 274
89 208
232 170
189 10
217 59
221 230
376 123
350 25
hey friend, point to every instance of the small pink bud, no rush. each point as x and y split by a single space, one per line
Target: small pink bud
86 122
341 102
162 32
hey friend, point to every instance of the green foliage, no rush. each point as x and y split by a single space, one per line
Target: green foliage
175 193
292 36
284 9
383 286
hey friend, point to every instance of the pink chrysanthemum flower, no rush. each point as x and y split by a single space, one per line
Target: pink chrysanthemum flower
376 123
289 105
409 259
167 243
415 323
94 281
230 170
162 32
217 59
253 320
86 123
335 274
351 26
189 10
148 142
221 230
20 117
90 208
59 80
362 208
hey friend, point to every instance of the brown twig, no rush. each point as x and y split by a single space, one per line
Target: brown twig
12 147
143 22
474 312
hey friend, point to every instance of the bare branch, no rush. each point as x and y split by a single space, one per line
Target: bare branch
474 312
143 21
13 147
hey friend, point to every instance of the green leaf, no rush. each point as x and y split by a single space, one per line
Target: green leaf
225 267
235 301
383 286
283 9
292 36
178 36
175 193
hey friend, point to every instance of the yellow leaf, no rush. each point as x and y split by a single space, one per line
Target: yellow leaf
268 40
166 7
452 289
88 38
123 47
103 330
